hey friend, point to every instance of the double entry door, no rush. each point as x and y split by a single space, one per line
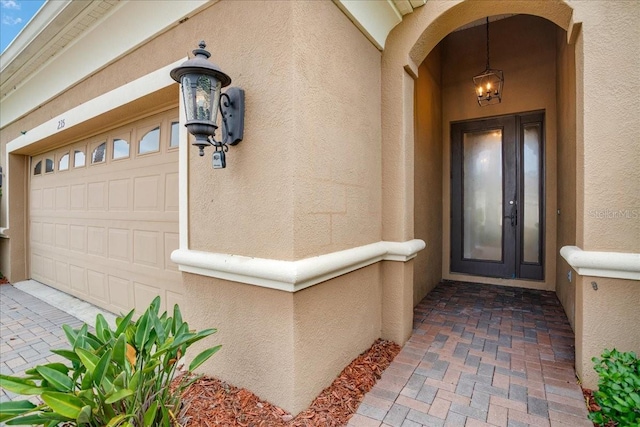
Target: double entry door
497 197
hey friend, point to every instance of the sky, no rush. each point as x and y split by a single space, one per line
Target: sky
14 15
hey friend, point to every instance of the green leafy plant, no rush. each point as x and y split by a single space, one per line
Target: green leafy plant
618 393
124 377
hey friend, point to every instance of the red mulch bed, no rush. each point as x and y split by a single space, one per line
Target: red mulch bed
592 406
210 402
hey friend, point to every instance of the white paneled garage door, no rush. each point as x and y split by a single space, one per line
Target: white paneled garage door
104 216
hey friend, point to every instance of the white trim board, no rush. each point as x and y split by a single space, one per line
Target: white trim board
293 276
617 265
102 104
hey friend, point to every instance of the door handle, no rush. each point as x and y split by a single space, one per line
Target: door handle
514 213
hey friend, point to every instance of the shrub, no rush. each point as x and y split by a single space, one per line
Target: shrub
618 388
120 377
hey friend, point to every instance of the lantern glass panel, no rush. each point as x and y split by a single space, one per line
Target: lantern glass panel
201 96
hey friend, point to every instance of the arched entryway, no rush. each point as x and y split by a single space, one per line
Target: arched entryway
427 67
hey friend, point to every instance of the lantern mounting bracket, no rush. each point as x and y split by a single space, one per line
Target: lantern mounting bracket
232 110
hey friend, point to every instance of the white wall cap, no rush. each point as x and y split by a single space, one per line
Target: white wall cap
618 265
292 276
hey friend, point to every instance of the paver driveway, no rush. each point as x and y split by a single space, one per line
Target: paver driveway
481 355
29 327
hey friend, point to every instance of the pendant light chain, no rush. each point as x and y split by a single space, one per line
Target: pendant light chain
488 67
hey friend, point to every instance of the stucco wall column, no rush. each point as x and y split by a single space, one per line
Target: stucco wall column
397 301
397 155
16 268
397 194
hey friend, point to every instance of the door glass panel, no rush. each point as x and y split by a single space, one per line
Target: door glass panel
482 186
532 175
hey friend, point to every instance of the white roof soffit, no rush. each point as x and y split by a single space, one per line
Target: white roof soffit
72 40
377 18
54 26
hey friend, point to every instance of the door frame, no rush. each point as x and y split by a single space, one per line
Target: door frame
512 265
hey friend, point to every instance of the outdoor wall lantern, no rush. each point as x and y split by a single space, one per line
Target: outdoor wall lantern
201 83
489 83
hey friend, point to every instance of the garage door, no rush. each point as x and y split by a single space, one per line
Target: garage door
104 216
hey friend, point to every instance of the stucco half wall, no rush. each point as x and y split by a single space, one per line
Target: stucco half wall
286 347
607 316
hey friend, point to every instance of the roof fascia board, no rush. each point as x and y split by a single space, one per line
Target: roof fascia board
92 51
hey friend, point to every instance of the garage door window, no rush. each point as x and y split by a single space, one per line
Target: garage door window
37 170
150 142
63 163
78 158
98 155
173 142
120 149
48 168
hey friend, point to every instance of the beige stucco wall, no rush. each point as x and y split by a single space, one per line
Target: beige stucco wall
333 323
256 329
607 177
306 180
251 201
428 175
397 301
311 155
566 199
336 132
286 347
606 318
610 40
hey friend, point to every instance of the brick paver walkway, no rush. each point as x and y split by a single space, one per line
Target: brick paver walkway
481 355
29 327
